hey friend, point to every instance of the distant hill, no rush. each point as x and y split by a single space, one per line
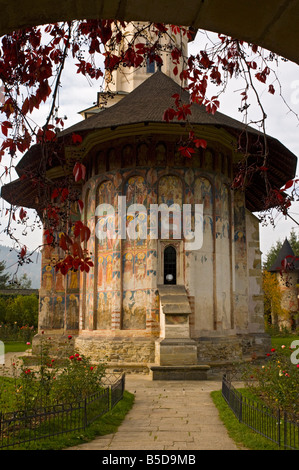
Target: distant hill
10 257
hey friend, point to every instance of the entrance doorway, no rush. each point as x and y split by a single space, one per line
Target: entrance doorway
170 263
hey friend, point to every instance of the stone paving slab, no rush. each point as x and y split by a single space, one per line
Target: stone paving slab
168 415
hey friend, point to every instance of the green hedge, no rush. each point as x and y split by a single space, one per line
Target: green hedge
18 317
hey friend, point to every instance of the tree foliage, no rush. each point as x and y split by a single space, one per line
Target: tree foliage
4 277
20 310
272 298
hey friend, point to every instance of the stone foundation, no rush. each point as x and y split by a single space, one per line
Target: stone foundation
56 345
231 349
117 350
139 355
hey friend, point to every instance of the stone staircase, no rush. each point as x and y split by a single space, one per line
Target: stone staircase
176 352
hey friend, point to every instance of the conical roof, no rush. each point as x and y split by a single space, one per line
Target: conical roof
285 252
147 103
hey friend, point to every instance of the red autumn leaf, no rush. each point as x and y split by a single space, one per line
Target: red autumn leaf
62 242
23 252
81 205
186 151
288 185
77 228
271 89
252 65
76 138
55 193
175 55
49 236
5 126
79 172
76 250
64 194
84 234
22 214
263 168
200 143
169 114
212 105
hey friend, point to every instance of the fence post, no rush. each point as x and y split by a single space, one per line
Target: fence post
285 428
278 419
240 409
85 413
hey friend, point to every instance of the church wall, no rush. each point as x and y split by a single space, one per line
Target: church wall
200 263
255 295
59 295
240 279
206 273
119 302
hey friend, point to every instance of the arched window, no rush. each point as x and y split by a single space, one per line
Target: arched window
169 265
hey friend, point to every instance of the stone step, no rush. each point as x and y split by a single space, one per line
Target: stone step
174 300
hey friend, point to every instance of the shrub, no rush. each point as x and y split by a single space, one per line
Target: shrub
79 379
277 381
48 383
12 332
3 306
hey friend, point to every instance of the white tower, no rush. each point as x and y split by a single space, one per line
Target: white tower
124 80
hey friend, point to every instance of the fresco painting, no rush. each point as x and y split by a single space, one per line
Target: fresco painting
203 194
104 259
142 155
134 261
72 312
170 191
125 272
57 321
104 308
45 312
161 155
134 309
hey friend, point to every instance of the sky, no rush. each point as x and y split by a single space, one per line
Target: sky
77 94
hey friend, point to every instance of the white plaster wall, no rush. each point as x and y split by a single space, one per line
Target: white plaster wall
255 293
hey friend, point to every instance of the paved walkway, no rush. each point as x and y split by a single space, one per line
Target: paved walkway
168 415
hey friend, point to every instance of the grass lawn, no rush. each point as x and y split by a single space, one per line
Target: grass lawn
243 436
107 424
16 346
278 341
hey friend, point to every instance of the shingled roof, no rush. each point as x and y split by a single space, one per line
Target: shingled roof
147 104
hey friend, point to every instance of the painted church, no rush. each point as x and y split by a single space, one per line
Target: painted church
158 304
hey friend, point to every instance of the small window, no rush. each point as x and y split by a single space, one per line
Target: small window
170 265
150 66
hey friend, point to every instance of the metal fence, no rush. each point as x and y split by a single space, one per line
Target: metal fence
20 427
278 426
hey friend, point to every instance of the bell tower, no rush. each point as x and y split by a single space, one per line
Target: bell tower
126 79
